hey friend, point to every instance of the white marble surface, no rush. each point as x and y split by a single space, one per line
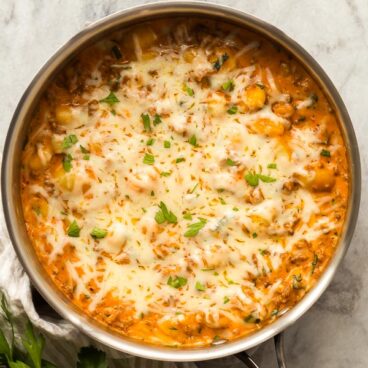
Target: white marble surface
334 333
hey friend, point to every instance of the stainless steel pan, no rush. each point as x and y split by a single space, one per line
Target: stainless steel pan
11 186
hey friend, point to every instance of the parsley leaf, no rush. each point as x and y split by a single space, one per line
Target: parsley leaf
148 159
233 110
157 119
146 122
193 229
167 144
165 173
220 61
226 299
193 140
187 216
69 141
325 153
67 162
150 142
83 149
251 319
177 281
266 179
34 345
314 263
111 99
199 286
98 233
165 215
89 357
272 166
252 179
230 162
189 91
228 86
74 230
180 159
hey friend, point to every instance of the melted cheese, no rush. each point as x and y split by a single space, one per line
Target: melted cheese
246 229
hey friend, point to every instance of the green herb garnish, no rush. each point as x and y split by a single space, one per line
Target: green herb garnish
165 215
177 281
252 179
98 233
165 173
67 162
251 319
180 159
189 91
150 142
148 159
74 230
226 299
325 153
220 61
193 140
233 110
187 216
146 122
230 162
193 229
314 263
228 86
111 99
272 166
83 150
275 312
167 144
157 119
199 286
69 141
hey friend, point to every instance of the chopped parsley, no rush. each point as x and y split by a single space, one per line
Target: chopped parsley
167 144
69 141
148 159
233 110
150 142
157 119
254 235
98 233
165 173
86 157
83 150
193 140
193 229
199 286
275 312
251 319
230 162
74 230
314 263
189 91
146 122
272 166
165 215
187 216
228 86
220 61
253 179
67 162
226 299
180 159
177 281
111 99
325 153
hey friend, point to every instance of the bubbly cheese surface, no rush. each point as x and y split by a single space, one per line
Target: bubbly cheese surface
183 187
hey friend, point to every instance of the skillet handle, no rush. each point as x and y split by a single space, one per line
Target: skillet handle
280 354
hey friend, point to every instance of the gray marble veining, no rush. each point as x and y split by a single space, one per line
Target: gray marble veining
334 333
